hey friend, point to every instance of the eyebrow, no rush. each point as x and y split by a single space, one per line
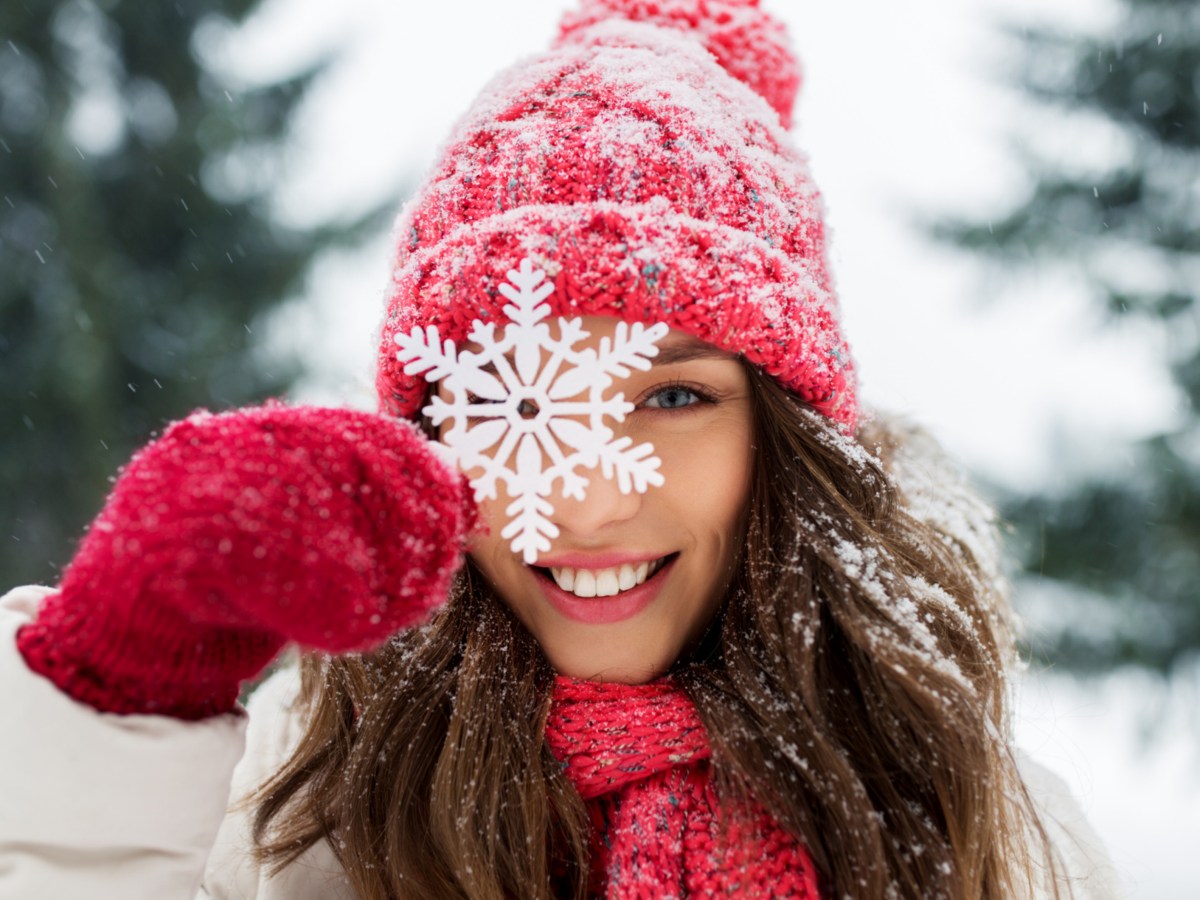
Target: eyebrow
685 352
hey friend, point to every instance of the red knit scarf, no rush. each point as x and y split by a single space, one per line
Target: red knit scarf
639 757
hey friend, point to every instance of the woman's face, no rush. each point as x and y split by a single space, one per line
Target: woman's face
633 579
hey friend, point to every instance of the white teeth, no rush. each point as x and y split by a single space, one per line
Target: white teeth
565 578
626 577
607 584
585 584
604 582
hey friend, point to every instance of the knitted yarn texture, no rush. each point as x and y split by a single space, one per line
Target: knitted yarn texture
640 759
643 163
234 533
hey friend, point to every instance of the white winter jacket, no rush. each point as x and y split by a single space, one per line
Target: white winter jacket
103 807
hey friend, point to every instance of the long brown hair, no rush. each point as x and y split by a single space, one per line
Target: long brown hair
854 683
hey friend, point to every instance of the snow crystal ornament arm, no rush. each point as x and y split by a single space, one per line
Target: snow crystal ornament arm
634 467
527 312
630 348
530 527
530 454
437 361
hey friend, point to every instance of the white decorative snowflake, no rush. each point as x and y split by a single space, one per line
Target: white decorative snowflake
517 400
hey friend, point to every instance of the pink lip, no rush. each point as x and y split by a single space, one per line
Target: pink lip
594 560
603 610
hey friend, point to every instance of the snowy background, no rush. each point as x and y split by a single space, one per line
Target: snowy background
904 116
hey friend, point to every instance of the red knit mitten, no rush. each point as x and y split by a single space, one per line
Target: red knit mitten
233 534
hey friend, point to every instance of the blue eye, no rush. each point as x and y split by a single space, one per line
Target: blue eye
674 397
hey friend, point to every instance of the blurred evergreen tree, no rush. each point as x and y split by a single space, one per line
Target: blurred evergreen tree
137 248
1131 229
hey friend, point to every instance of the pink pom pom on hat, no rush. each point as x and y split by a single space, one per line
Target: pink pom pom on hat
644 164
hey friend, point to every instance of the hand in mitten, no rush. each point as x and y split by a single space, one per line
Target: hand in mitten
233 534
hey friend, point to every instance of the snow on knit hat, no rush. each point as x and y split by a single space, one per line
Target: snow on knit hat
643 164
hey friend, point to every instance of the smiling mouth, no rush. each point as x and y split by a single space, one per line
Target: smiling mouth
589 583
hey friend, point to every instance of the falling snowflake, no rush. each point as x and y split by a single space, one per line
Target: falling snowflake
516 411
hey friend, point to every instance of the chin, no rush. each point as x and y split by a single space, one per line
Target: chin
584 663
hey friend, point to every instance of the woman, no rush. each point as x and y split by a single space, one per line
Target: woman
711 633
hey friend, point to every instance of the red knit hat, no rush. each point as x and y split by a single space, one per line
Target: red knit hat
644 165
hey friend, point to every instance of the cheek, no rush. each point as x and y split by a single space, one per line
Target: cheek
709 480
486 545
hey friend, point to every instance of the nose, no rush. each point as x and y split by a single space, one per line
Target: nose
603 504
